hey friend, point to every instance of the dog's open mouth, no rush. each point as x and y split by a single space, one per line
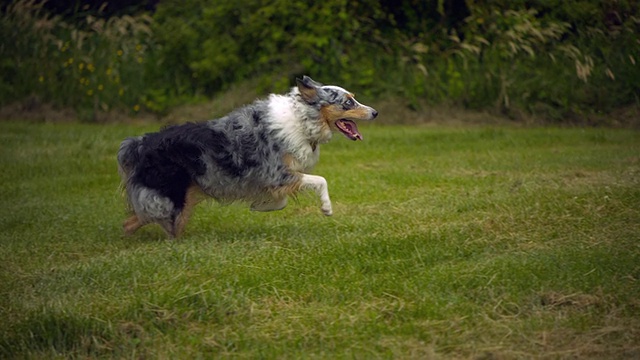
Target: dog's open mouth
349 129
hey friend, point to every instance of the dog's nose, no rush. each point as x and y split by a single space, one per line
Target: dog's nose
374 113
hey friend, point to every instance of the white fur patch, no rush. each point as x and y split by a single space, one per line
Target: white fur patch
150 205
295 129
319 185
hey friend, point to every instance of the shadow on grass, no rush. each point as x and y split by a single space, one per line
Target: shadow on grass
55 333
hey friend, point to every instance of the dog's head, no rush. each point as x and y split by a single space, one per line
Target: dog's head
338 107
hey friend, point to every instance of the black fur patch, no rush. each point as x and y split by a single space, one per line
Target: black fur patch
169 160
332 96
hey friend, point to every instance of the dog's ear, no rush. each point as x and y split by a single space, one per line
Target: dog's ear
309 89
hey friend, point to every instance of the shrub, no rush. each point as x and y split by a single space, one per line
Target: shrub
211 44
573 60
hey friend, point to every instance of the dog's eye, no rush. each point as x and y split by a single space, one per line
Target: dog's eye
349 103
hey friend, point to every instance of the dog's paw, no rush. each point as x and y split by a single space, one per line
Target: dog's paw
326 209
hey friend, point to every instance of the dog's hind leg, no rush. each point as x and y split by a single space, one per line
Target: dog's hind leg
169 226
319 185
132 224
271 204
149 206
194 195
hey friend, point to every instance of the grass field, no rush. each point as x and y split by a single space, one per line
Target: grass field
446 242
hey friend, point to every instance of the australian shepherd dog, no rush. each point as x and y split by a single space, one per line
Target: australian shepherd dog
260 153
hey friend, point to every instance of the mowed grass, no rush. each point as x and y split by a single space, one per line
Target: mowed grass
446 242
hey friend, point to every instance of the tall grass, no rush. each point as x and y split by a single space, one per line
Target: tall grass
94 65
523 60
489 242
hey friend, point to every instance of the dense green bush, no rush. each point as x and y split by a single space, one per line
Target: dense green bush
549 57
560 54
211 44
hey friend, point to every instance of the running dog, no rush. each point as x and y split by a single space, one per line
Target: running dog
260 153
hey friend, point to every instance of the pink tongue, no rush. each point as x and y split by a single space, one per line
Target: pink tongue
349 129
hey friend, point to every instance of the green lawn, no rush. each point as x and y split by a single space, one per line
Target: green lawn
446 242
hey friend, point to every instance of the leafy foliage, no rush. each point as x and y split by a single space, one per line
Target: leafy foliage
93 66
216 43
570 57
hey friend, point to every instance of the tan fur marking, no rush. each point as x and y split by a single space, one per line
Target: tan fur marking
291 162
308 94
324 124
287 190
331 113
131 225
193 197
359 113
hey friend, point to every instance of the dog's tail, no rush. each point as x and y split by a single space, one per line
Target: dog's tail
128 158
145 204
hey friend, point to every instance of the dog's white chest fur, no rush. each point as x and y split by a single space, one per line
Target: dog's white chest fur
298 132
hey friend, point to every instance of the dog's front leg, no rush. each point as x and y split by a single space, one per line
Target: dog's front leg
319 185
